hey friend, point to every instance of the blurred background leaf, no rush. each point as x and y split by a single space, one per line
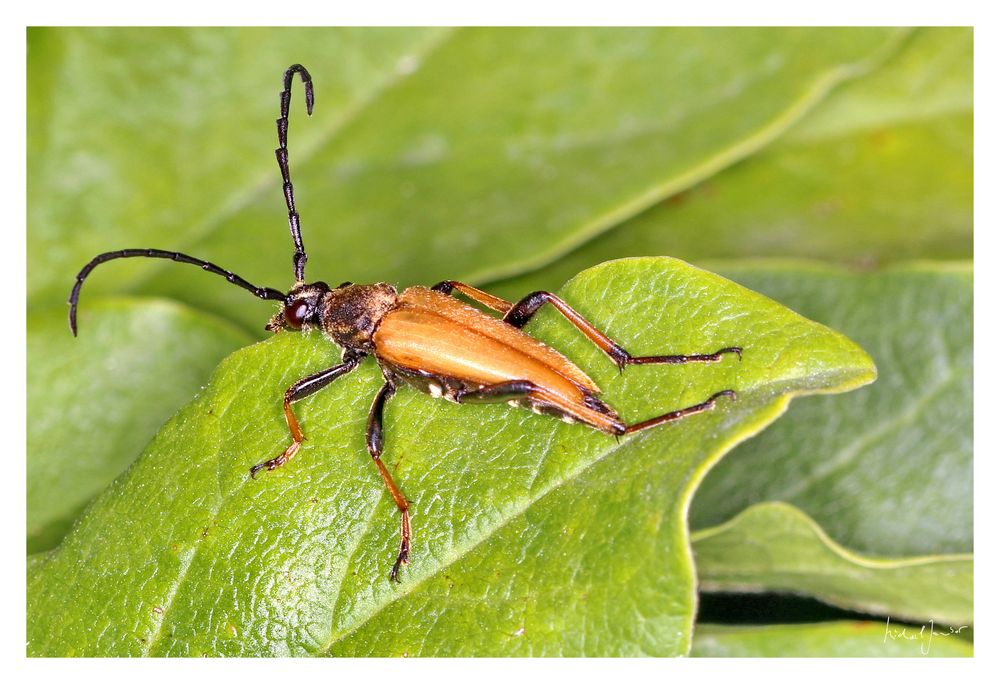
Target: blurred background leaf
94 402
890 472
775 547
152 137
887 475
830 640
881 171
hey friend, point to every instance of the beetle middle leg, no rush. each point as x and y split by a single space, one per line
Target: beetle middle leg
300 390
521 312
374 439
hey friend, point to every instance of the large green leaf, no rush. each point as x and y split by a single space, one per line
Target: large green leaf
880 171
775 547
889 472
531 536
94 402
460 154
836 639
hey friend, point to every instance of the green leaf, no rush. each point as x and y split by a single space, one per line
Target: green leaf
95 402
466 154
36 562
879 171
528 532
836 639
890 471
776 547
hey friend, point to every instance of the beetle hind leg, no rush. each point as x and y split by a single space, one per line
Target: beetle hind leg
706 405
526 394
514 390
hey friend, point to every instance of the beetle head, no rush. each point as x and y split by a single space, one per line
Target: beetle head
348 314
302 308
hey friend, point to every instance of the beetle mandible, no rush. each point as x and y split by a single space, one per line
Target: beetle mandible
426 338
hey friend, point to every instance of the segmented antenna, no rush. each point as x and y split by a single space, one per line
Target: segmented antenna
74 296
299 259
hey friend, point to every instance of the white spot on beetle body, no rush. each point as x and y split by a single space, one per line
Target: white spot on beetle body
434 389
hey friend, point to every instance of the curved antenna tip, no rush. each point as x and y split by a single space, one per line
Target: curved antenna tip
306 81
73 298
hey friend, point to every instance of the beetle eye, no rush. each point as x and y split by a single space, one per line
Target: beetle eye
296 312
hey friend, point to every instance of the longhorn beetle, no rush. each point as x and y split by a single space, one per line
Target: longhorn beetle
426 338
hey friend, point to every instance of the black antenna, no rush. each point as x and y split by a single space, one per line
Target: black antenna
74 296
300 258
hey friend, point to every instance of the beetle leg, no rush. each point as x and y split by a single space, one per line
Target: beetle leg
301 389
706 405
516 389
604 417
522 312
504 391
374 439
475 294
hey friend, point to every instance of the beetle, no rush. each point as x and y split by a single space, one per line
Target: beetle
428 339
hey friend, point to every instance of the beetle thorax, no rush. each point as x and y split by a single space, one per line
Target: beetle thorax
350 314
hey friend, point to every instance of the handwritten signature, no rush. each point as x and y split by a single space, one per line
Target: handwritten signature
924 636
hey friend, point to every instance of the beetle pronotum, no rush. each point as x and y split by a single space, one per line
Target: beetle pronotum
426 338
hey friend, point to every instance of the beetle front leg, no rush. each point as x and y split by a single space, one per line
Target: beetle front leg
374 440
520 313
301 389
